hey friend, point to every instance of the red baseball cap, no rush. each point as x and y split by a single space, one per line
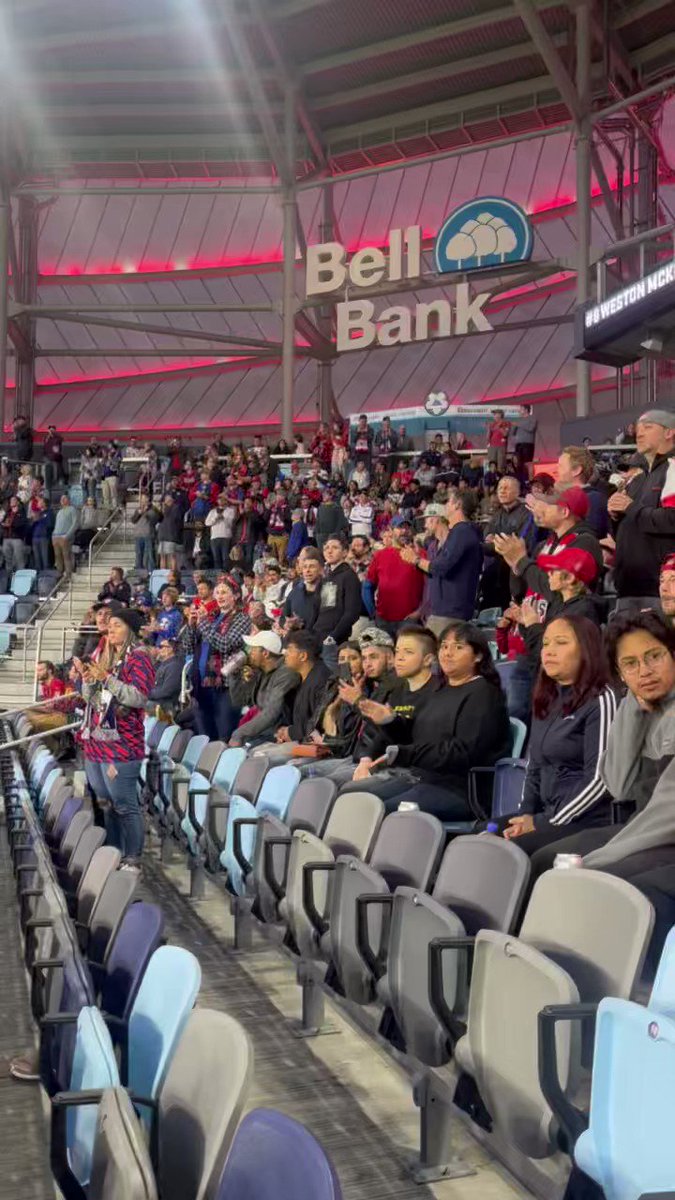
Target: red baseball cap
668 563
579 563
574 498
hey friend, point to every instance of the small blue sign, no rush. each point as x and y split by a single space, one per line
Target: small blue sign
483 233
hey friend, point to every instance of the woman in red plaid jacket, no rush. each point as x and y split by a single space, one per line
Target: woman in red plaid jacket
217 647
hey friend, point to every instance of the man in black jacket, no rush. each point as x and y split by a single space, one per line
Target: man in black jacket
168 677
302 655
644 514
302 604
512 517
340 600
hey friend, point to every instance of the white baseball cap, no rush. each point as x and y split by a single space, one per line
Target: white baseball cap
267 639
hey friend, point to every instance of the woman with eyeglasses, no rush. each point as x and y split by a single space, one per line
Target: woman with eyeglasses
637 765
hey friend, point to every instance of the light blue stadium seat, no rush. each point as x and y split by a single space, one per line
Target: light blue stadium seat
279 787
199 789
162 1006
627 1148
76 495
519 736
5 640
7 604
94 1067
157 580
488 617
663 991
148 726
23 582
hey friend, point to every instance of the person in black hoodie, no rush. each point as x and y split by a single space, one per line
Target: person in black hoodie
170 534
462 725
302 604
15 532
302 655
340 605
644 514
573 707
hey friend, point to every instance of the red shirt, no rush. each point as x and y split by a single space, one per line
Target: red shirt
498 433
399 585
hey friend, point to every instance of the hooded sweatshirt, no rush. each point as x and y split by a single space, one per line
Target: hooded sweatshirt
638 765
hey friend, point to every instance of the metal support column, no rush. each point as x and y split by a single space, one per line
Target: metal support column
289 299
583 164
327 406
26 293
4 243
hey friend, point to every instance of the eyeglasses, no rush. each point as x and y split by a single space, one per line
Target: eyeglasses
651 659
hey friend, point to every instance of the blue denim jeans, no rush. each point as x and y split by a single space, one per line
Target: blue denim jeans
123 819
145 554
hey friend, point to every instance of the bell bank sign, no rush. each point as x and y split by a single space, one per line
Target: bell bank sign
485 233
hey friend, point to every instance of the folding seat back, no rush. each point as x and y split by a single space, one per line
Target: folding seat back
247 784
353 824
277 791
594 925
46 582
94 1068
180 780
293 1164
48 776
226 768
71 807
166 737
103 861
480 885
7 606
58 795
159 1015
662 998
200 1104
89 843
518 736
150 725
106 915
239 809
627 1148
511 983
405 852
217 767
76 495
81 821
23 582
311 805
507 786
138 936
157 580
24 609
69 993
121 1167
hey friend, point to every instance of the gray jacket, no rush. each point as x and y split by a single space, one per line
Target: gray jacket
271 694
637 765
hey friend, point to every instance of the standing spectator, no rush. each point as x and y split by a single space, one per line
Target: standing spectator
170 534
116 588
405 443
247 529
15 531
360 476
576 468
65 526
340 600
90 470
112 739
455 569
644 514
23 439
524 440
361 442
386 442
330 518
340 451
498 440
112 465
322 446
217 645
144 522
299 535
397 584
42 526
91 520
25 484
278 525
359 555
302 604
512 517
169 618
220 523
361 517
52 453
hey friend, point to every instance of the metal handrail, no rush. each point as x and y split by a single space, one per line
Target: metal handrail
43 734
108 529
74 629
10 712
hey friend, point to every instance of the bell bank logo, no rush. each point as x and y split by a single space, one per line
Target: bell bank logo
487 232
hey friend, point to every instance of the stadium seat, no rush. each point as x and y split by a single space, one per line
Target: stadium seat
276 793
488 617
7 606
138 937
94 1068
47 581
160 1011
23 582
76 495
247 783
518 736
292 1165
157 581
121 1165
106 917
309 810
483 804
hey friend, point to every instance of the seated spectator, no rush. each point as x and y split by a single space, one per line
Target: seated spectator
571 572
173 580
573 707
116 588
266 686
459 726
164 696
302 655
637 766
168 621
49 716
667 589
217 646
93 632
360 476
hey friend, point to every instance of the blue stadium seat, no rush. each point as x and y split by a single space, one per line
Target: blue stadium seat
157 580
519 736
507 788
276 793
76 495
23 582
273 1157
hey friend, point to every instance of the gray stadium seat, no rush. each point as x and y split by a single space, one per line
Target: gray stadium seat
121 1167
248 782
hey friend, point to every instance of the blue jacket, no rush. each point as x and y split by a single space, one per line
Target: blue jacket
454 573
299 538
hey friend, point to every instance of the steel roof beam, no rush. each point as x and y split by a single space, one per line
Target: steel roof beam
548 50
201 335
637 12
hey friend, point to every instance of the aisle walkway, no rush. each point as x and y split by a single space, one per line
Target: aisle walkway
348 1092
24 1153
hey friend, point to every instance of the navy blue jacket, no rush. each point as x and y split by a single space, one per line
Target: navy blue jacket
563 781
454 573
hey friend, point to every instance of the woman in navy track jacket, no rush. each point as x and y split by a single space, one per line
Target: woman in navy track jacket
573 708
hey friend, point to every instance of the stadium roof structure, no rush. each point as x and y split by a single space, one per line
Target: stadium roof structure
196 88
146 151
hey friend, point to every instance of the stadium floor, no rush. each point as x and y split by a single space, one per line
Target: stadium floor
353 1097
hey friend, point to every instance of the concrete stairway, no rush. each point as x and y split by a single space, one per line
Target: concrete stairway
17 673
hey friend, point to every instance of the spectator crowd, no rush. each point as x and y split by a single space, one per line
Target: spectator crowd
393 622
